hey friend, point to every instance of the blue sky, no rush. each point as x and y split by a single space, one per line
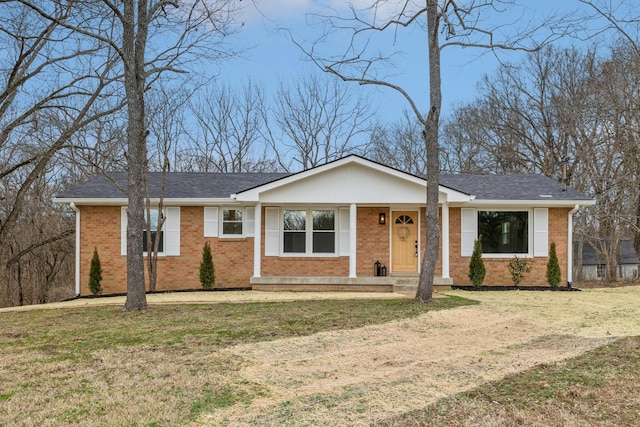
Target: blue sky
272 57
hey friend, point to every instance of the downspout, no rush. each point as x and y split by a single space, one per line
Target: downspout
570 246
77 266
257 239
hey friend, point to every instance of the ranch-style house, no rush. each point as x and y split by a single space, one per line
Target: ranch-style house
351 224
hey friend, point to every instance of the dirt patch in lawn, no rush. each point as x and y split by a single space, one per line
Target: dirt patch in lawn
356 377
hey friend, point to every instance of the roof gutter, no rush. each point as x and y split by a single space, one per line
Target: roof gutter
154 200
77 266
570 245
551 203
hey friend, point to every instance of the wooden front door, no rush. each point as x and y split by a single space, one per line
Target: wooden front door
404 242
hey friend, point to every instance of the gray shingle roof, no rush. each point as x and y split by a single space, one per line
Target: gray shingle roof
591 257
510 187
202 185
179 185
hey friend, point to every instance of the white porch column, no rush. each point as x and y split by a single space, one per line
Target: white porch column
353 244
445 240
257 240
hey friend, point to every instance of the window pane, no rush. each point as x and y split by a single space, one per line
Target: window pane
294 242
154 234
232 228
232 222
504 232
324 242
404 219
295 220
324 220
154 219
232 215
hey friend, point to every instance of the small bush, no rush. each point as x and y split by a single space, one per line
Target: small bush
518 268
207 270
95 274
477 270
554 275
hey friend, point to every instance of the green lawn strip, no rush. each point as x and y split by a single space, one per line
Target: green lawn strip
213 397
597 388
78 332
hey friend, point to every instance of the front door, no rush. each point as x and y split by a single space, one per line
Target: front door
404 242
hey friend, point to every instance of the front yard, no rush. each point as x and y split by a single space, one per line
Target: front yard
168 366
328 362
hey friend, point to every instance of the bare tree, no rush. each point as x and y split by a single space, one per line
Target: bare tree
615 162
448 23
136 19
531 117
318 121
147 38
48 93
228 137
560 109
399 145
622 19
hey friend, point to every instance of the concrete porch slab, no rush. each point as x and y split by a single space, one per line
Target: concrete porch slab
400 284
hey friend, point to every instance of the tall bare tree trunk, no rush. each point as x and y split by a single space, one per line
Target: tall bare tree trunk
577 262
134 44
636 232
430 134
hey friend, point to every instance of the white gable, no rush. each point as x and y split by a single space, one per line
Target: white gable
351 183
350 180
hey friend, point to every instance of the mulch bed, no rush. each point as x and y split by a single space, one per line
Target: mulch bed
515 288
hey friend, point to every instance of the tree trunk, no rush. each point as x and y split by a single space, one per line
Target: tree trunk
577 262
430 135
134 83
636 232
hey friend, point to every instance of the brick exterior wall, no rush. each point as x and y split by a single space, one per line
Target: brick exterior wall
332 266
233 258
423 238
497 272
372 241
100 228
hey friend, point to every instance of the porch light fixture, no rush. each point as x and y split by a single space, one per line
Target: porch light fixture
382 218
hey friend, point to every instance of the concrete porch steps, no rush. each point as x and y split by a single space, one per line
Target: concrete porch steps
400 284
410 285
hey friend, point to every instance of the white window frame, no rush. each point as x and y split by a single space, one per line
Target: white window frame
530 236
221 232
168 234
214 221
162 230
309 232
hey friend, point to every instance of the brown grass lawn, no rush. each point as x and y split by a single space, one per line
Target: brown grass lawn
599 388
99 366
517 358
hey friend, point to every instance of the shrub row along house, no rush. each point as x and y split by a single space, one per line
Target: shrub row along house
338 226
